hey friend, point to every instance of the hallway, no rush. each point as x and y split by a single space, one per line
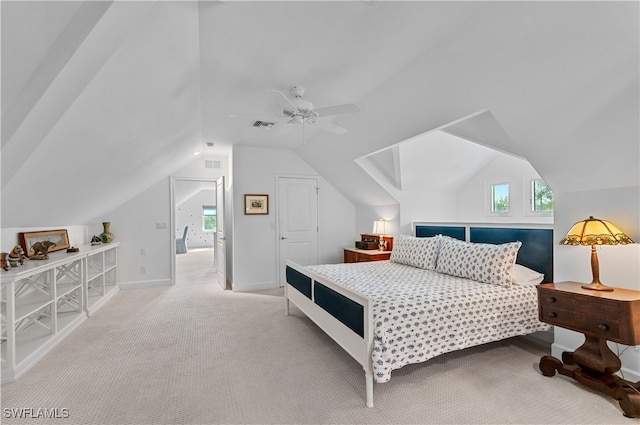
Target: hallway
196 266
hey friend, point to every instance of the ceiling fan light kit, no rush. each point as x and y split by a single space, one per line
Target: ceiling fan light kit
301 111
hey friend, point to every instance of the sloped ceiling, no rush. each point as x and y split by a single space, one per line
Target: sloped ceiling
105 98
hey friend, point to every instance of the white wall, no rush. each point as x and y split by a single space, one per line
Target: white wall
428 205
336 220
134 225
619 265
255 170
471 199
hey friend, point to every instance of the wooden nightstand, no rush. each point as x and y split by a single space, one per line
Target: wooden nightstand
355 255
601 316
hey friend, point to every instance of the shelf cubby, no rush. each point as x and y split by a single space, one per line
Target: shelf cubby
44 301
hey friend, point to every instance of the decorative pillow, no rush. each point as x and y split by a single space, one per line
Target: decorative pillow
416 252
483 262
524 276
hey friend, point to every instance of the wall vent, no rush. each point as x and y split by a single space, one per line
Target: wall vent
208 163
263 124
210 144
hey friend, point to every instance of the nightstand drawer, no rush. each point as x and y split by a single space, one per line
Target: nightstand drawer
579 304
572 319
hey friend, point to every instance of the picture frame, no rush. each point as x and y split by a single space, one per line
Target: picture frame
256 204
59 237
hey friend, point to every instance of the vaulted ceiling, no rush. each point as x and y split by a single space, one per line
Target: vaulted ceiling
104 99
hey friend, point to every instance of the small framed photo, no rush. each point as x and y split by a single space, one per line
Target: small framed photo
256 204
59 237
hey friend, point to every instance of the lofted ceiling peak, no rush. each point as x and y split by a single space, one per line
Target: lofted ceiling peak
122 93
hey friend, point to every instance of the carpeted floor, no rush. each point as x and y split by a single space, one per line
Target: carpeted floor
195 354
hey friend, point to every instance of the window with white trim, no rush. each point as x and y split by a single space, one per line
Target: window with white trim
209 218
539 197
500 198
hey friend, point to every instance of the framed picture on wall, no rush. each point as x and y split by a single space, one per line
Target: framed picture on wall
256 204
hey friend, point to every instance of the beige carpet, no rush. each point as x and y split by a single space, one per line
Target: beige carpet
195 354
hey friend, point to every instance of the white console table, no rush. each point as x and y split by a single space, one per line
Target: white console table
43 301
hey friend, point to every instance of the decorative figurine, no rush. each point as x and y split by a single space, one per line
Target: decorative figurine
16 256
41 250
96 240
4 261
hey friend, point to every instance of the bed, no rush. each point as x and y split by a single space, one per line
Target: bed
437 294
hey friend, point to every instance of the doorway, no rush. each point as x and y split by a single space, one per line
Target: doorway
194 225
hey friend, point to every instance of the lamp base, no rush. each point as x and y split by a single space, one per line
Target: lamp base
597 286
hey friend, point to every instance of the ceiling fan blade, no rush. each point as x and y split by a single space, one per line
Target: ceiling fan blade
331 127
284 100
347 108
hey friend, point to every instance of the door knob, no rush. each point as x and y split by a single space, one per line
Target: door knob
283 237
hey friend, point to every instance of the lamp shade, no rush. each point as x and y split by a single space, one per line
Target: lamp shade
594 231
379 227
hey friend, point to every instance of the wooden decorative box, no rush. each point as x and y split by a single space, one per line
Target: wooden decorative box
365 237
367 244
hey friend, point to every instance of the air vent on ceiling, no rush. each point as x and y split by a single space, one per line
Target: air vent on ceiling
263 124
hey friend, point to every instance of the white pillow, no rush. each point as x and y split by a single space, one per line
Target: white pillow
482 262
524 276
416 252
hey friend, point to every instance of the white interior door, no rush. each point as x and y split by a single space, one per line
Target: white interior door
297 222
219 252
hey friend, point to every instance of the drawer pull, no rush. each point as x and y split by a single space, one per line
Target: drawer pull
552 314
551 299
603 327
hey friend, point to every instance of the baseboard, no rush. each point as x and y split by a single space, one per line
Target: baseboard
628 374
541 337
258 286
145 284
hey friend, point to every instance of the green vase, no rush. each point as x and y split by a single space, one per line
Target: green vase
106 236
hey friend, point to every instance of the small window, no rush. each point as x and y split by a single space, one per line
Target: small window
541 197
500 198
209 218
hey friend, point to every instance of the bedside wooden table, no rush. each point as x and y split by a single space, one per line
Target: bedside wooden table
355 255
601 316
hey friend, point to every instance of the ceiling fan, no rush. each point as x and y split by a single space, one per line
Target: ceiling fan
300 111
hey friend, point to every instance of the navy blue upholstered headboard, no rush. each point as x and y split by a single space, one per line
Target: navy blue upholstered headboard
427 231
537 244
536 251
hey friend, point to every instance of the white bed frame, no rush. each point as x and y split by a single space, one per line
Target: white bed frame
360 348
